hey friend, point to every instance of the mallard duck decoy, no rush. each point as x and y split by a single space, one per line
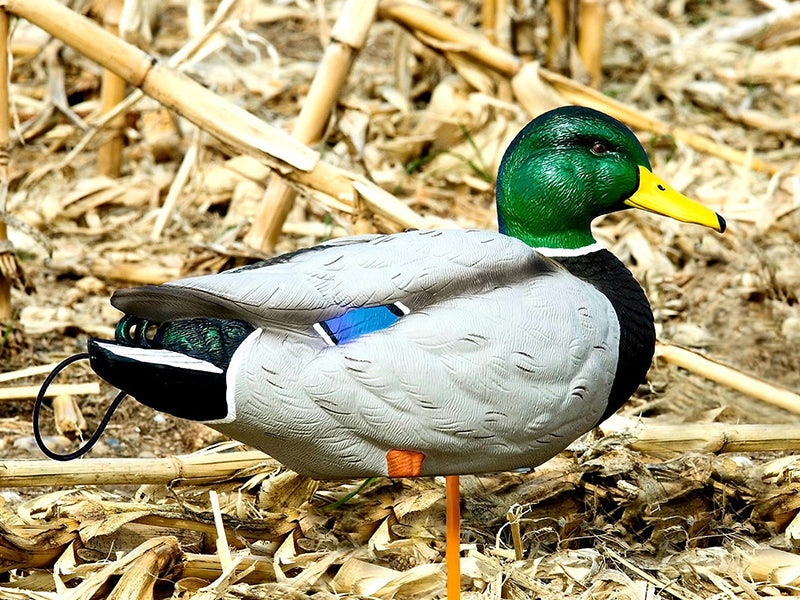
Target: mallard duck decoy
430 352
437 352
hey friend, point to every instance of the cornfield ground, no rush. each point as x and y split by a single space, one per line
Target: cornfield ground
703 510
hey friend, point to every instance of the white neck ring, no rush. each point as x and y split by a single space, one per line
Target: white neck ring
567 252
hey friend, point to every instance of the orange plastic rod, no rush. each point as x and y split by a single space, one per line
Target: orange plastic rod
452 553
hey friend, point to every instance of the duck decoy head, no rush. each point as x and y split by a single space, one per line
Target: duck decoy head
573 164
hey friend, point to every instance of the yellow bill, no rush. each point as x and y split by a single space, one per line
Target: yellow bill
654 195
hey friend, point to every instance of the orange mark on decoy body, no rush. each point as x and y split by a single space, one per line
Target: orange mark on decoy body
404 463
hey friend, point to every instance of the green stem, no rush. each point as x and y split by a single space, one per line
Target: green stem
8 329
349 496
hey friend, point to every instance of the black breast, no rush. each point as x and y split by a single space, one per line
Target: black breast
637 334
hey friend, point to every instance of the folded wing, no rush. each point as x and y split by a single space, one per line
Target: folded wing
414 267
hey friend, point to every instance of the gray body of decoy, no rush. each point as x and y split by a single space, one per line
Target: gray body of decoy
502 360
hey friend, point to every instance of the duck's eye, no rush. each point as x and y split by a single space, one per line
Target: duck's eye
599 148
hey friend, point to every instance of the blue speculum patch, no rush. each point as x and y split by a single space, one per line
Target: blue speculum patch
359 321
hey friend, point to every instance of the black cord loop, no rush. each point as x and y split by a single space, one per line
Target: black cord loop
37 434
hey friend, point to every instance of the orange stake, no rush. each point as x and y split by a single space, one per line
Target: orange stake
452 552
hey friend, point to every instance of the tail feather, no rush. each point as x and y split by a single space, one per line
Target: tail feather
178 367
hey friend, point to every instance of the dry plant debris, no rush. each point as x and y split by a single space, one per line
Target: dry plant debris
425 114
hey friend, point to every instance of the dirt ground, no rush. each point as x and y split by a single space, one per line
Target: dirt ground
601 520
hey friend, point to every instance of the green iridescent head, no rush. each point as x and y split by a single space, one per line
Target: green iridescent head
573 164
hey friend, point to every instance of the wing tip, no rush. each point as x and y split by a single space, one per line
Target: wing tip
123 296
